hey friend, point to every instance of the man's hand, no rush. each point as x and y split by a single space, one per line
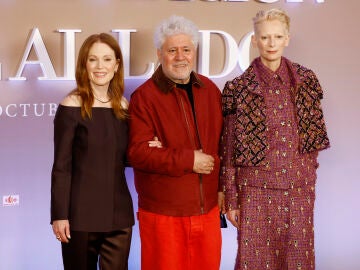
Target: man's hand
203 163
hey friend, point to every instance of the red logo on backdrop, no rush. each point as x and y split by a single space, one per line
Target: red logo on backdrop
11 200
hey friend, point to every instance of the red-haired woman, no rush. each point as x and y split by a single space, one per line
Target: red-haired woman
91 207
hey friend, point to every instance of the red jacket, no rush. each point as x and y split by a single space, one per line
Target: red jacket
164 179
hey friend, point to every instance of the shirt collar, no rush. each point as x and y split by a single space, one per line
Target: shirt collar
267 75
166 85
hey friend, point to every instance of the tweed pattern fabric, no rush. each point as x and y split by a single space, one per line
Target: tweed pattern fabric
277 231
243 97
250 145
275 197
312 130
285 166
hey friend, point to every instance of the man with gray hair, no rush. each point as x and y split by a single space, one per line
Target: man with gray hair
176 176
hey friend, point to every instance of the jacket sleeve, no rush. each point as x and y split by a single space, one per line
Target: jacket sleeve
64 130
165 160
227 169
312 128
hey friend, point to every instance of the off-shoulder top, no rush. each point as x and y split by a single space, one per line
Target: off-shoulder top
88 185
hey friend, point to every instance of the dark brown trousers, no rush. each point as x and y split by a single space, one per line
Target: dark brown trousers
88 250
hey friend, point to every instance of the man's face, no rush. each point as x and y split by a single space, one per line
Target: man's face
177 58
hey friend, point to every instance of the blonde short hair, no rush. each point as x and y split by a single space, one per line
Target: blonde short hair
272 14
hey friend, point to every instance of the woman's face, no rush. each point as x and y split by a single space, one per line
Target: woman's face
101 65
271 38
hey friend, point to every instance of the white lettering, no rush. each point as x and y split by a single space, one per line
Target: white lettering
26 109
7 109
69 53
244 51
233 54
36 111
52 109
124 42
36 41
204 53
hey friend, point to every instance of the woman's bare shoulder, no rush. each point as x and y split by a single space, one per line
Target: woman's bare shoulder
71 100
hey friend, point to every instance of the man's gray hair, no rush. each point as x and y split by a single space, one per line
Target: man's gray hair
173 26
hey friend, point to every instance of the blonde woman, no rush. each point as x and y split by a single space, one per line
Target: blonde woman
273 130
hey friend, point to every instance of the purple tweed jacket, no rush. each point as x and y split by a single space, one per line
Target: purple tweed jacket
243 101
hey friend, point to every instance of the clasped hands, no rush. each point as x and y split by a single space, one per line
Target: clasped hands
203 163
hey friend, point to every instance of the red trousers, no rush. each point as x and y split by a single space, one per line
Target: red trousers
180 243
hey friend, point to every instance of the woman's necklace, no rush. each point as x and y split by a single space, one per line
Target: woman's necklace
102 101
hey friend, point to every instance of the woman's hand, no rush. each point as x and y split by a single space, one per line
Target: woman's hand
221 202
234 217
61 229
